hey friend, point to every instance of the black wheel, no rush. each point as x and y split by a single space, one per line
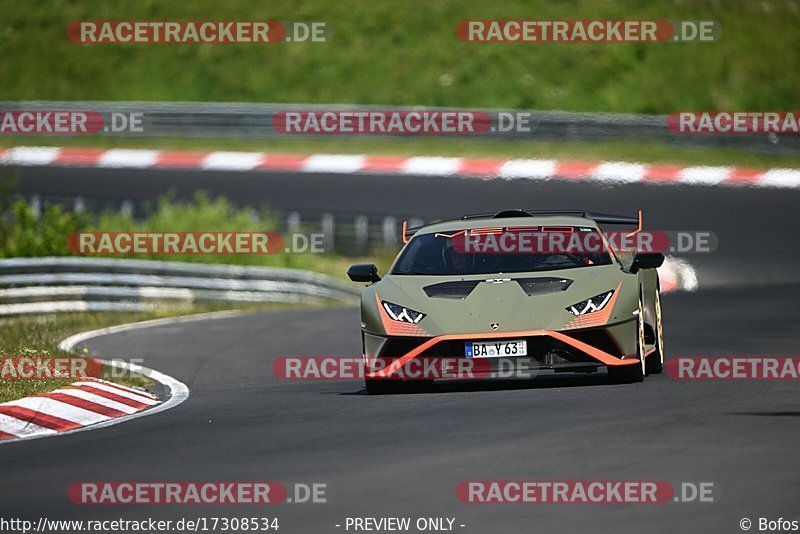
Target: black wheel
655 362
625 374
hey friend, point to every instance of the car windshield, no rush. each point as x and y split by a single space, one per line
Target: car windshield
488 253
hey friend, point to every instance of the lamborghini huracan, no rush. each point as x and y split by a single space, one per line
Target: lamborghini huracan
468 289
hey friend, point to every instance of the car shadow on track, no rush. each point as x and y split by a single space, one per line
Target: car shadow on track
769 414
540 382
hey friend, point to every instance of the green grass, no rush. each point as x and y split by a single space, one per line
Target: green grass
40 335
406 53
627 150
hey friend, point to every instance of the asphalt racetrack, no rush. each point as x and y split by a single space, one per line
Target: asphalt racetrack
403 455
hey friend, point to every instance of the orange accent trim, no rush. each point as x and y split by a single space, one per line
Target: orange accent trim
599 355
639 229
405 227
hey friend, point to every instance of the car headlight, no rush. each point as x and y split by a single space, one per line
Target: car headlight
596 303
402 314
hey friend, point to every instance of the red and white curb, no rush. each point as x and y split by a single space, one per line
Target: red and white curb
88 402
80 406
611 172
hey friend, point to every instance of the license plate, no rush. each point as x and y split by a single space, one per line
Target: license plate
496 349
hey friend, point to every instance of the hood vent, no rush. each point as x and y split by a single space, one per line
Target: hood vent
451 290
531 286
541 286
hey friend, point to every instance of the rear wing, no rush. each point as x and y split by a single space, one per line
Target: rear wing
599 218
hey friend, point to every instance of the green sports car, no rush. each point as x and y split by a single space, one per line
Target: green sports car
524 290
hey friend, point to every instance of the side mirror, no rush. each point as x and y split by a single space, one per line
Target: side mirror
646 260
363 272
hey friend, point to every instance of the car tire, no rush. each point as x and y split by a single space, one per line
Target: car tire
626 374
655 362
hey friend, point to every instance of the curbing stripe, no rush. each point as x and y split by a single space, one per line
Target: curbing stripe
432 166
58 409
123 388
123 158
22 429
610 172
333 163
107 388
89 401
40 418
231 161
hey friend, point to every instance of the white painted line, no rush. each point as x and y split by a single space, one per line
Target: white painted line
431 166
704 175
97 399
528 168
232 161
22 429
123 158
789 178
333 163
619 171
31 155
58 409
71 342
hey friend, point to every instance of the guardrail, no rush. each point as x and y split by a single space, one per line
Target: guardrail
242 120
66 284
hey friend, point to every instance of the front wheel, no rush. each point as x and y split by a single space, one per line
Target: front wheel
625 374
655 362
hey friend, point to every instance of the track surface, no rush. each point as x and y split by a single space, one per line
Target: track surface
404 455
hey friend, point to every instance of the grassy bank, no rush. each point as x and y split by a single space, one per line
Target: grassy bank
40 335
395 53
